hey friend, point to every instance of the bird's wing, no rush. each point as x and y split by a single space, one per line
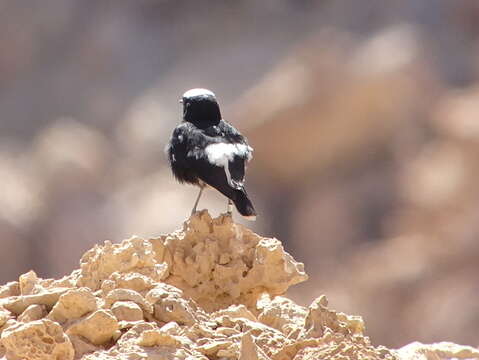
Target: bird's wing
217 160
176 148
231 158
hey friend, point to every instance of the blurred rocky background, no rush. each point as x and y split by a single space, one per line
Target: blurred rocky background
364 117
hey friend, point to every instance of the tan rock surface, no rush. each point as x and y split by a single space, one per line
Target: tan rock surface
212 290
37 340
32 313
218 263
127 311
99 328
4 316
438 351
73 304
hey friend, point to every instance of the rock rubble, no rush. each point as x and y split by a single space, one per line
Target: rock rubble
212 290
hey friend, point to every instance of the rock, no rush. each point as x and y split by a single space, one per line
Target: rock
99 328
249 350
209 291
157 338
170 305
10 289
441 350
37 340
81 346
128 295
32 313
73 304
29 283
269 340
211 348
282 314
133 281
235 312
218 263
100 262
127 311
319 318
344 349
4 316
18 304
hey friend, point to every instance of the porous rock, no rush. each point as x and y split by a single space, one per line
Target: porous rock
212 290
29 283
10 289
441 350
32 313
98 328
37 340
100 262
236 311
282 314
18 304
127 311
73 304
249 350
170 305
319 318
128 295
218 263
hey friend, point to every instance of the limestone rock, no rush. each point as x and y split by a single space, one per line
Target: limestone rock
282 314
29 283
18 304
4 316
98 328
157 338
209 291
269 340
236 311
320 318
438 351
100 262
218 263
170 305
33 312
37 340
249 350
351 349
81 346
128 295
73 304
10 289
133 281
127 311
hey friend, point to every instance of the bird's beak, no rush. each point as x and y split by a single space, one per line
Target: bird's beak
181 101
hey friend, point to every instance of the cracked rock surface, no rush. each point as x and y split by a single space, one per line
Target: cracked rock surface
212 290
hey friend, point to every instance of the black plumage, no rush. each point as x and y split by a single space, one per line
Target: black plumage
206 150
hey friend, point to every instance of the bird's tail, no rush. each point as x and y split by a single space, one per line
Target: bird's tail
244 205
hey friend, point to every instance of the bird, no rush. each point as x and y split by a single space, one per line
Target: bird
206 151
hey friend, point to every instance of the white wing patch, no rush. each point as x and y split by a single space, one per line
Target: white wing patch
220 154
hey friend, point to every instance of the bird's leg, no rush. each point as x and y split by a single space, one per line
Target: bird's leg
230 207
197 199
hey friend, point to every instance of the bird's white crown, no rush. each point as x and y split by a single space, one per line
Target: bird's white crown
198 92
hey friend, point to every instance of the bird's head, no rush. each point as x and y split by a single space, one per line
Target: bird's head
200 108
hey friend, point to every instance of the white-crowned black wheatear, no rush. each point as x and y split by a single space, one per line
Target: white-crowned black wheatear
206 150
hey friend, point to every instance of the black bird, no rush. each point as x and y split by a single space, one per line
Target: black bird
206 150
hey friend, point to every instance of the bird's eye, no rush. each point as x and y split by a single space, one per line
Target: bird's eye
181 101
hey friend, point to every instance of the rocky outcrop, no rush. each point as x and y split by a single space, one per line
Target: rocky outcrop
212 290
